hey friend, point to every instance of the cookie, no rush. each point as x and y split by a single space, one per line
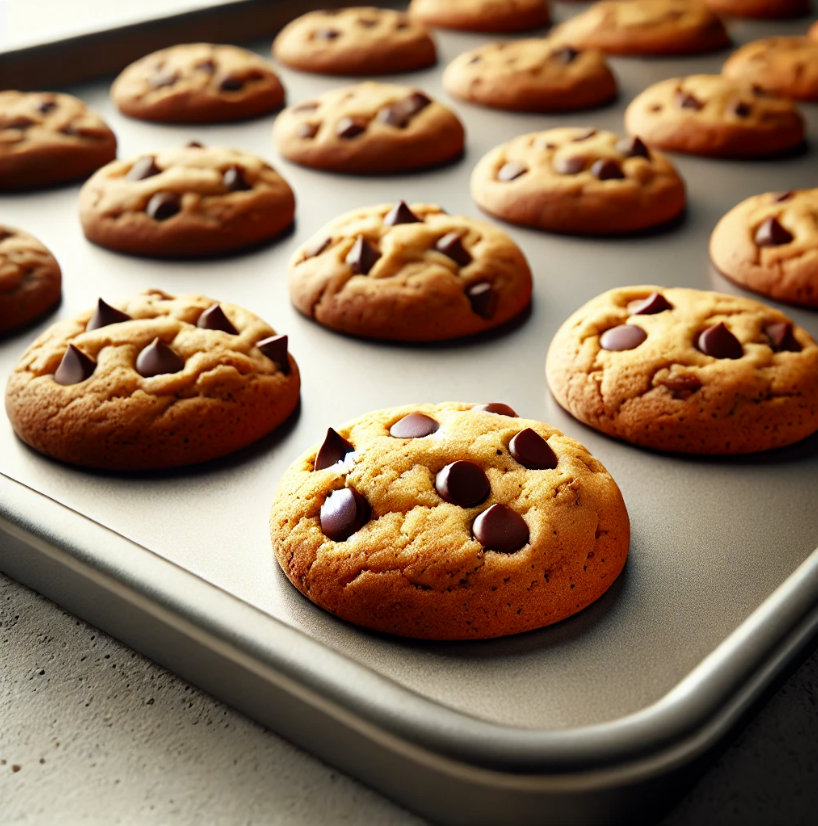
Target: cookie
152 382
577 180
714 116
783 66
409 273
198 83
369 129
531 76
686 371
48 138
449 522
482 15
355 41
190 201
30 279
768 244
645 27
760 8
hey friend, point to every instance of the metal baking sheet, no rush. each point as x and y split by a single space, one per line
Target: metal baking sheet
684 639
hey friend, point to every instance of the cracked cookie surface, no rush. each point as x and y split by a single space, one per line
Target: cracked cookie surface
152 382
189 201
482 15
760 8
531 76
645 27
369 128
686 371
714 116
409 273
578 180
30 279
48 138
769 244
784 66
198 83
450 522
355 41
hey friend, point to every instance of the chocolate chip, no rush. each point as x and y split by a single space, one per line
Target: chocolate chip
275 348
783 196
399 114
532 451
343 513
498 408
19 122
632 148
451 245
683 384
309 106
231 84
47 106
163 205
509 171
772 234
782 338
483 299
104 315
162 78
607 169
367 23
213 318
740 109
306 130
158 359
362 256
623 337
326 34
565 55
349 128
145 167
414 426
687 101
500 529
75 367
463 483
195 145
654 303
584 136
569 166
475 59
233 178
316 246
334 449
717 341
5 234
401 214
206 66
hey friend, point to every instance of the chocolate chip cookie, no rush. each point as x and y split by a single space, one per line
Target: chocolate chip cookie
409 273
768 244
784 66
370 128
198 83
449 522
686 371
48 138
482 15
30 279
714 116
645 27
760 8
578 180
531 76
152 382
184 202
355 41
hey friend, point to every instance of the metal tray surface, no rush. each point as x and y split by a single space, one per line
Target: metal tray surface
713 538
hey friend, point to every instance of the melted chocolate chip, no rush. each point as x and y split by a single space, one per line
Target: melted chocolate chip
399 114
275 348
326 34
569 166
75 367
607 169
158 359
683 384
509 171
653 304
362 256
235 181
632 148
343 513
231 84
483 299
47 106
206 66
687 101
213 318
401 214
332 451
163 205
565 55
584 136
5 234
195 145
717 341
475 59
623 337
463 483
532 451
104 315
145 167
349 128
306 130
451 245
784 196
500 529
316 246
740 109
781 337
19 122
772 234
498 408
414 426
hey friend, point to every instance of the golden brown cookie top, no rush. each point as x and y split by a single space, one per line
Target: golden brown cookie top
786 66
21 255
482 15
